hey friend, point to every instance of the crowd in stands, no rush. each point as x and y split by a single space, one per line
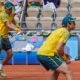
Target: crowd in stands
18 6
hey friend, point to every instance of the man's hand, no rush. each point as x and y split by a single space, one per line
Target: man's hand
68 59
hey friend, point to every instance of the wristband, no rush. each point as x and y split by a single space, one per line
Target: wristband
64 57
17 25
17 29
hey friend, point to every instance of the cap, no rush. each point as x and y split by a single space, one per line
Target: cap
8 5
67 20
20 0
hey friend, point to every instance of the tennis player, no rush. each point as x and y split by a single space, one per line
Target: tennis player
51 54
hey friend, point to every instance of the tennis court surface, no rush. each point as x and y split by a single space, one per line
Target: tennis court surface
37 72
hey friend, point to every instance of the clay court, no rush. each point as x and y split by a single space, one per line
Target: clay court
36 72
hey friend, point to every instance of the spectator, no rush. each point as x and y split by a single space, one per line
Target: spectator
56 2
18 10
6 24
34 3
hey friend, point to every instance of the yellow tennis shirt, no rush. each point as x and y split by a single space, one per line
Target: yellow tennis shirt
49 46
4 17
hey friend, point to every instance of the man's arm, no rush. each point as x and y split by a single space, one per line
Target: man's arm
60 50
16 24
12 26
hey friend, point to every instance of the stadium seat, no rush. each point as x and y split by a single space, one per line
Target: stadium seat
61 12
46 22
46 12
64 3
59 21
76 12
75 3
31 22
32 12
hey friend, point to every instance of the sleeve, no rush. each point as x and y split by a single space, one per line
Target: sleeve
64 37
4 17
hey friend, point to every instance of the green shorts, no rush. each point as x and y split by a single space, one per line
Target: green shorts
5 44
52 62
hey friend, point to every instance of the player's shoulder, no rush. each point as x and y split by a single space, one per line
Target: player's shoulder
3 15
63 30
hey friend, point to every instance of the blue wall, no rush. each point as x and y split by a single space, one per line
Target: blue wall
73 46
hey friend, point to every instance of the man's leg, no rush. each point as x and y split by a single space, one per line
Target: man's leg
64 69
2 74
7 47
55 75
9 55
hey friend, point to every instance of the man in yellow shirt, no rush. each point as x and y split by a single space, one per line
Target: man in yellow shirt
51 54
6 23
